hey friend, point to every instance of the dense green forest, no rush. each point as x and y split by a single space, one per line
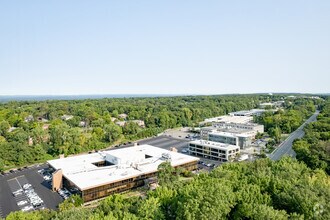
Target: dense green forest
263 189
36 131
314 148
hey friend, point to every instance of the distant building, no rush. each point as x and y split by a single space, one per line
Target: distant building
139 123
30 141
240 127
235 129
11 129
250 129
66 117
41 119
230 118
45 126
101 174
82 124
276 104
205 131
29 118
248 113
213 150
266 105
123 116
120 123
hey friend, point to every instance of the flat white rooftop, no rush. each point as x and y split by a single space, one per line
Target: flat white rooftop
216 145
127 163
231 119
229 134
250 112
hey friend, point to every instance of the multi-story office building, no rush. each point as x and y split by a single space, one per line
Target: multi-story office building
241 140
253 127
235 129
213 150
252 112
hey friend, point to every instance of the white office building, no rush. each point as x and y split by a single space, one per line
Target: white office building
241 140
100 174
214 150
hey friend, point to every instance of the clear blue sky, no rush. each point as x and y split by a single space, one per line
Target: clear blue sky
164 47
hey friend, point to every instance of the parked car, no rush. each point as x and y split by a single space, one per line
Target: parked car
27 208
47 177
18 192
27 186
21 203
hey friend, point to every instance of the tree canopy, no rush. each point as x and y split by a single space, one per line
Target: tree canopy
263 189
33 131
314 148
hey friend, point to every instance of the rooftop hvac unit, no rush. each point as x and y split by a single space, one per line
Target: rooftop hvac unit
166 156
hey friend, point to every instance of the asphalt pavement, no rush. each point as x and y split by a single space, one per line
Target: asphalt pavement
13 181
8 202
285 147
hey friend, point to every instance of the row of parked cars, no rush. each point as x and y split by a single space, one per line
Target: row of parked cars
192 137
35 200
64 193
32 199
46 173
212 165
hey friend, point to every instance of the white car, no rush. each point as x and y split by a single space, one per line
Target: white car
27 186
18 192
21 203
66 191
27 208
47 178
41 171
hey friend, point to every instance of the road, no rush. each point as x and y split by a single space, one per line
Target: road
285 148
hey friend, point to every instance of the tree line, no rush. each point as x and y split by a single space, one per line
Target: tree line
33 131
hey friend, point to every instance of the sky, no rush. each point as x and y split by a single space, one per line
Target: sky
60 47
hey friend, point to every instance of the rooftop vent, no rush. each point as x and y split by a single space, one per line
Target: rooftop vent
166 156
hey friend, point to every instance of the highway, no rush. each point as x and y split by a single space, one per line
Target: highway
285 147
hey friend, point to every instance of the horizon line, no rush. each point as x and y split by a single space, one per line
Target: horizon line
163 94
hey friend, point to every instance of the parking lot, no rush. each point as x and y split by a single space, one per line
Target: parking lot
166 143
26 198
181 133
15 182
40 182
